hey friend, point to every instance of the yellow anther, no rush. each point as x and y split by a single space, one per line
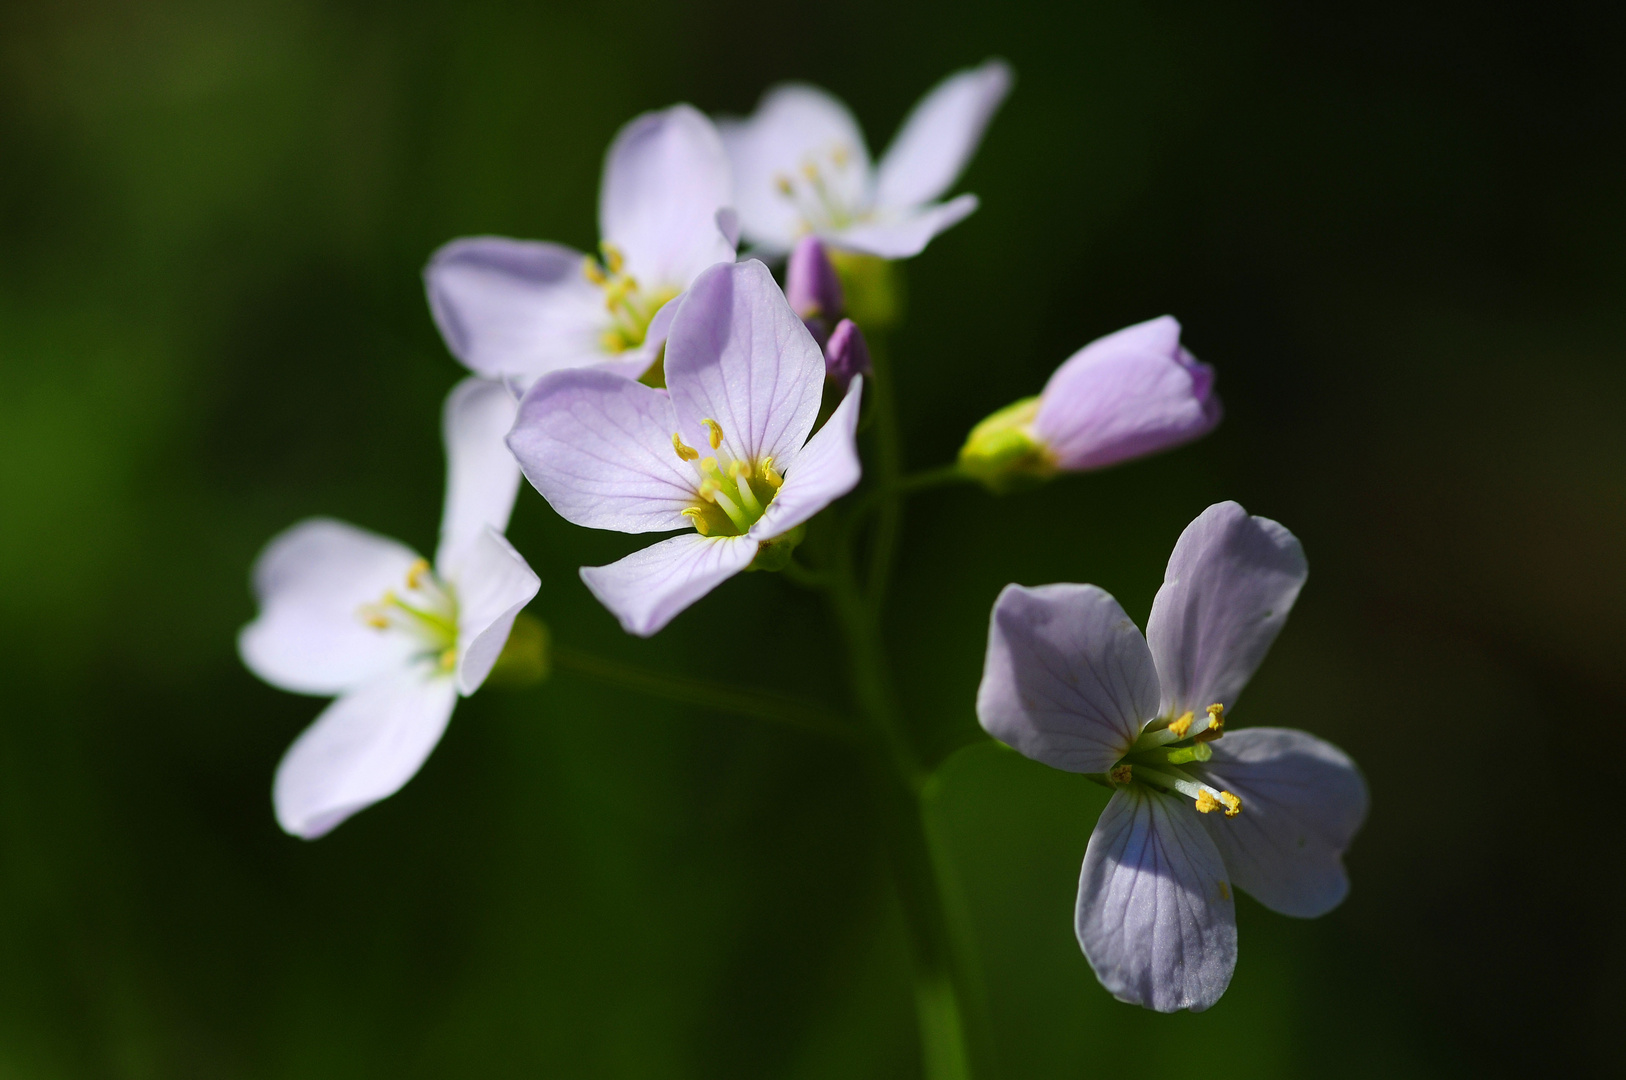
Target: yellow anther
1121 774
716 431
416 572
738 468
1233 805
1182 725
612 257
1206 803
684 452
698 517
1216 724
770 475
448 660
376 621
810 170
841 155
784 184
1224 891
592 271
613 341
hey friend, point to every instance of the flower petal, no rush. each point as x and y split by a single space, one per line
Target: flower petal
794 126
311 580
666 176
1156 916
516 308
649 588
1068 679
1303 800
482 477
494 582
1126 395
1230 583
940 135
826 469
598 447
362 748
737 354
903 236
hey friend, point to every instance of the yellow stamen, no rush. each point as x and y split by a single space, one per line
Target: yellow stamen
612 257
613 341
698 517
810 170
376 621
1216 724
684 452
1121 774
716 431
841 155
783 183
737 469
1233 805
448 660
415 573
1182 725
770 475
592 271
1206 803
1224 891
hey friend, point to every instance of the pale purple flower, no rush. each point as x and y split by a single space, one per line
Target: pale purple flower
846 354
353 615
801 166
1126 395
723 451
1069 681
518 309
813 288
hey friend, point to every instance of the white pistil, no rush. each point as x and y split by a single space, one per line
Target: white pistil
1207 797
1183 727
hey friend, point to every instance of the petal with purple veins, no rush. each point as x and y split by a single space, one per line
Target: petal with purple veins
493 584
937 140
825 470
649 588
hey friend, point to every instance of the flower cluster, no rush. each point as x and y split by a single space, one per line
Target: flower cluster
668 383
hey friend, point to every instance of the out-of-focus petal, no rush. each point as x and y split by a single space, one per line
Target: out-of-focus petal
737 354
940 135
666 176
482 477
1230 583
1303 800
1068 679
649 588
363 748
1156 916
493 584
311 580
902 235
1126 395
599 448
846 354
515 308
794 126
811 284
825 470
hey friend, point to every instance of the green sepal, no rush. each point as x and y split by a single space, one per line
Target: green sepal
526 658
775 554
1001 452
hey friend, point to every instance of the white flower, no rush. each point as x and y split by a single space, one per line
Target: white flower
801 167
349 613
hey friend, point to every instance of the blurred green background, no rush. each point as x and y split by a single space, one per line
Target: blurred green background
1397 230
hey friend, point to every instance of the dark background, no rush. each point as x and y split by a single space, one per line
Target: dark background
1397 230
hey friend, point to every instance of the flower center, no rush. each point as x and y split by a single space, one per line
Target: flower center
816 195
631 306
1157 758
426 610
732 496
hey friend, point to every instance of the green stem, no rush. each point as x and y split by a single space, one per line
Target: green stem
889 473
709 695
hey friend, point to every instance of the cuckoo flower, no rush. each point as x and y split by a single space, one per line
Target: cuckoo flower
350 614
801 166
518 309
1126 395
1071 682
724 451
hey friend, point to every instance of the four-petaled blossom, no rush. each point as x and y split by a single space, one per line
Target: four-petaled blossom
349 613
724 450
516 309
801 166
1126 395
1070 681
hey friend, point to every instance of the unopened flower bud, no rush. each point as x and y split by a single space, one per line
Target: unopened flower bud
846 354
812 287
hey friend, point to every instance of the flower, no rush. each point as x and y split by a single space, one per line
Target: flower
721 451
814 288
846 355
348 613
1123 396
801 166
1071 682
518 309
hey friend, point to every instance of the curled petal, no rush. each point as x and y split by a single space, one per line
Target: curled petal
482 477
894 235
363 748
1068 679
1230 583
738 355
493 584
649 588
666 177
1156 916
825 470
516 309
312 581
940 135
1126 395
1303 800
598 447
